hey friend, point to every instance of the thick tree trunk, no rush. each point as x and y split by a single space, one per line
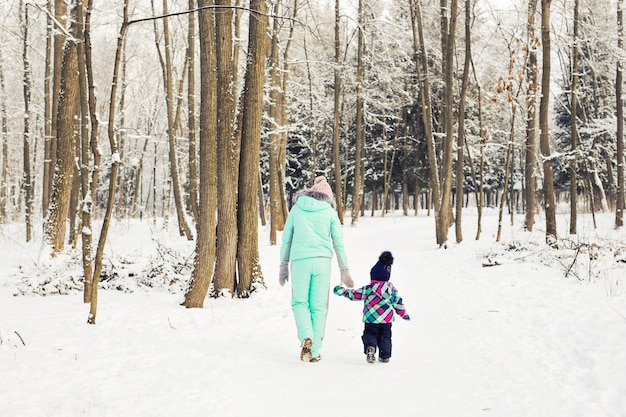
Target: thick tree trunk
448 32
227 154
60 18
55 224
205 242
247 250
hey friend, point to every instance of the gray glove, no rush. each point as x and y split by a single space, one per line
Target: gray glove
346 279
283 273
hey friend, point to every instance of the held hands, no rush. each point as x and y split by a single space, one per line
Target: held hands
346 279
283 273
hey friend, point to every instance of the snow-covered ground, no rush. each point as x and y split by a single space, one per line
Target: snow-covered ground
517 339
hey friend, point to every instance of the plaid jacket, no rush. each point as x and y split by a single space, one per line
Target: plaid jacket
380 300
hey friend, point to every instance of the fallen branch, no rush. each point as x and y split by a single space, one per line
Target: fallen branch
488 262
18 335
614 309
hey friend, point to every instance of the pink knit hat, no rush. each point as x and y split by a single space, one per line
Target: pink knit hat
320 185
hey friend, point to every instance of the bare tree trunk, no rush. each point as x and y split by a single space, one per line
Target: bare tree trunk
168 82
313 129
4 175
484 137
89 185
423 75
106 221
60 15
28 186
247 250
227 154
86 203
191 113
619 203
205 242
48 133
507 170
460 176
121 194
337 105
360 133
276 201
530 164
574 129
282 155
55 224
448 37
544 138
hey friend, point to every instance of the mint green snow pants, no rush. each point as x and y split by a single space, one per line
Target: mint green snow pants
309 298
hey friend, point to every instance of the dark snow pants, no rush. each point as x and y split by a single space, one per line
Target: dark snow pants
379 336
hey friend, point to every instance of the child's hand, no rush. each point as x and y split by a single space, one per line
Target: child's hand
406 317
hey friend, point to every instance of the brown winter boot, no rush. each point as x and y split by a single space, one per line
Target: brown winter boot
305 354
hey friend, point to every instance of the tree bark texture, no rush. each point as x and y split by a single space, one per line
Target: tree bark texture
247 250
55 224
206 234
228 168
544 108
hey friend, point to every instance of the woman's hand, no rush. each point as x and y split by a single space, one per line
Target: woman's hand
346 279
283 273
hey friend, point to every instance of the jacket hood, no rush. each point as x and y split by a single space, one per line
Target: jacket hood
383 289
317 200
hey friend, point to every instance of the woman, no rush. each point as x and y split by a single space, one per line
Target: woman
311 232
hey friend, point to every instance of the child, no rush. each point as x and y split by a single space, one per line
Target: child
380 299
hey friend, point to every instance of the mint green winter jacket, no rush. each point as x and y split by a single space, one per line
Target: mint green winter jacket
313 230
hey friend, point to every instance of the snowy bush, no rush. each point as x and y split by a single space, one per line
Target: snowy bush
63 274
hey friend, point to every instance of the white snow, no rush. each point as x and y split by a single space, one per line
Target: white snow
518 339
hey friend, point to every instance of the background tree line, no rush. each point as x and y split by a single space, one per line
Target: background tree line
218 111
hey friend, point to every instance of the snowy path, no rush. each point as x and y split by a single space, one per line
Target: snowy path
516 340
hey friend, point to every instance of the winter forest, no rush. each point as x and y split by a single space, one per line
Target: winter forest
216 112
